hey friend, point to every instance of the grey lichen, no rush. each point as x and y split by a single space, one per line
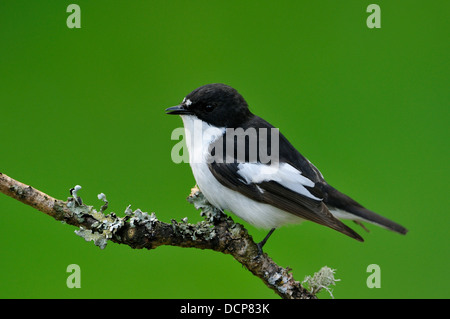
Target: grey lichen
104 226
236 230
74 192
139 217
322 279
202 230
79 210
274 278
280 280
99 239
208 211
102 197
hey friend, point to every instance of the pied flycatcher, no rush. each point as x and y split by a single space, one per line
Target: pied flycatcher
228 153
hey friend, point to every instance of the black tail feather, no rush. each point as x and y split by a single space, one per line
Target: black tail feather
374 218
334 198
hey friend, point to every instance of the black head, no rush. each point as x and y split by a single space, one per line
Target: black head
217 104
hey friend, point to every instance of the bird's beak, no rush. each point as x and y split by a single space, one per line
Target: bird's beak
177 110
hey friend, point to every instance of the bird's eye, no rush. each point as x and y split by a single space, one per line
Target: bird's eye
209 107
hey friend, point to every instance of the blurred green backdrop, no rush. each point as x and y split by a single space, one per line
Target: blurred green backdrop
369 107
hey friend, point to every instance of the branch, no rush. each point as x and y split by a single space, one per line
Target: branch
138 229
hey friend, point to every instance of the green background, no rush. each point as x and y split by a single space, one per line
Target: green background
369 107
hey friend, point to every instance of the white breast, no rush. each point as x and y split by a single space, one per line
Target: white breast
199 135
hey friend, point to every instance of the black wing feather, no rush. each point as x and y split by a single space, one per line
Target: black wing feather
281 197
274 193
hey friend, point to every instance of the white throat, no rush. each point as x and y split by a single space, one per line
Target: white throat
199 135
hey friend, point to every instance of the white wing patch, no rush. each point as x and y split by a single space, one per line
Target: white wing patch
284 174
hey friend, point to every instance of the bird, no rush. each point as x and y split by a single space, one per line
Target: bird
266 191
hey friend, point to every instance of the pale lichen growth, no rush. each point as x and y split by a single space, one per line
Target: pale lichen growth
204 229
102 197
79 210
139 217
201 230
98 239
208 211
322 279
236 230
280 280
104 226
75 191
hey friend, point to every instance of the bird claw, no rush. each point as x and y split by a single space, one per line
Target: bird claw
260 250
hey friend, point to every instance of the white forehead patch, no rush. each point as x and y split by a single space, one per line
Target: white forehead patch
188 102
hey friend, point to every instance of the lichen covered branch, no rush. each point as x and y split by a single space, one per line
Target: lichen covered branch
139 229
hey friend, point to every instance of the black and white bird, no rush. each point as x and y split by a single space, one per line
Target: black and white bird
289 189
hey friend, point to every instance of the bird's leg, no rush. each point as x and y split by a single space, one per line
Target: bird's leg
262 243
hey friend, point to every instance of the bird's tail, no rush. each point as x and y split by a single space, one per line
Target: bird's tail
346 207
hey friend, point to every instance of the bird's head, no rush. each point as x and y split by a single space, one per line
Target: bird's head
217 104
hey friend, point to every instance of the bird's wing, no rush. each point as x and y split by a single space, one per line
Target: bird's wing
289 181
283 187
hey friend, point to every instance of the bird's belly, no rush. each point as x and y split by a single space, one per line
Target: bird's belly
258 214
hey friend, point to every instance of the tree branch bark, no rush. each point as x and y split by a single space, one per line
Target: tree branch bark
138 229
